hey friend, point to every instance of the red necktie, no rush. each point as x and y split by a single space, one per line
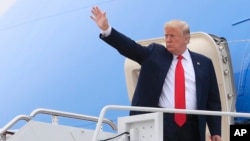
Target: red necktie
180 119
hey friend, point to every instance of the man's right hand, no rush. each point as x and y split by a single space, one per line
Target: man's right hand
100 18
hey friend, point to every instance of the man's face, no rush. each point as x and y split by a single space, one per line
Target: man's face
176 41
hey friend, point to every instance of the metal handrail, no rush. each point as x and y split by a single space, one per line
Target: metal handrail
54 113
71 115
148 109
12 122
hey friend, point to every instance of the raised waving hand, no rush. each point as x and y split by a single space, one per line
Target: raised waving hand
100 18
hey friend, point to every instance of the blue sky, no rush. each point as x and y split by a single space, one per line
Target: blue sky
51 56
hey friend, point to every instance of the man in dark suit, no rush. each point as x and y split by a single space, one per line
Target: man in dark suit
158 82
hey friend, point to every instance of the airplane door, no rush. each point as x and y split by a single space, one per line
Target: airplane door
211 46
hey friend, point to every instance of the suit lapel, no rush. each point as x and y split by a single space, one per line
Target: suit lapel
166 63
198 73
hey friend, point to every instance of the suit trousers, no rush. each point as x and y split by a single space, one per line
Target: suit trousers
188 132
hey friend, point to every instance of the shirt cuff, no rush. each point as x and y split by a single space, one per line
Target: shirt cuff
106 33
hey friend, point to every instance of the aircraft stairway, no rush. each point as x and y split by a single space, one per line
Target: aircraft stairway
35 130
145 127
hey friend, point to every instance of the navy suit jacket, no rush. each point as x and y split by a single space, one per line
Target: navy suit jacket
155 61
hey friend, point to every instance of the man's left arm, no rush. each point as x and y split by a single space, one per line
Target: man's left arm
214 104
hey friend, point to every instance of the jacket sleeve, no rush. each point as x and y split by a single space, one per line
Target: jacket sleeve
126 46
214 104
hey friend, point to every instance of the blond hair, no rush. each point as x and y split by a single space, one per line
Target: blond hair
179 23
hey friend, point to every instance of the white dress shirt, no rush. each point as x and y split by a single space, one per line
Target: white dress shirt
107 32
167 95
